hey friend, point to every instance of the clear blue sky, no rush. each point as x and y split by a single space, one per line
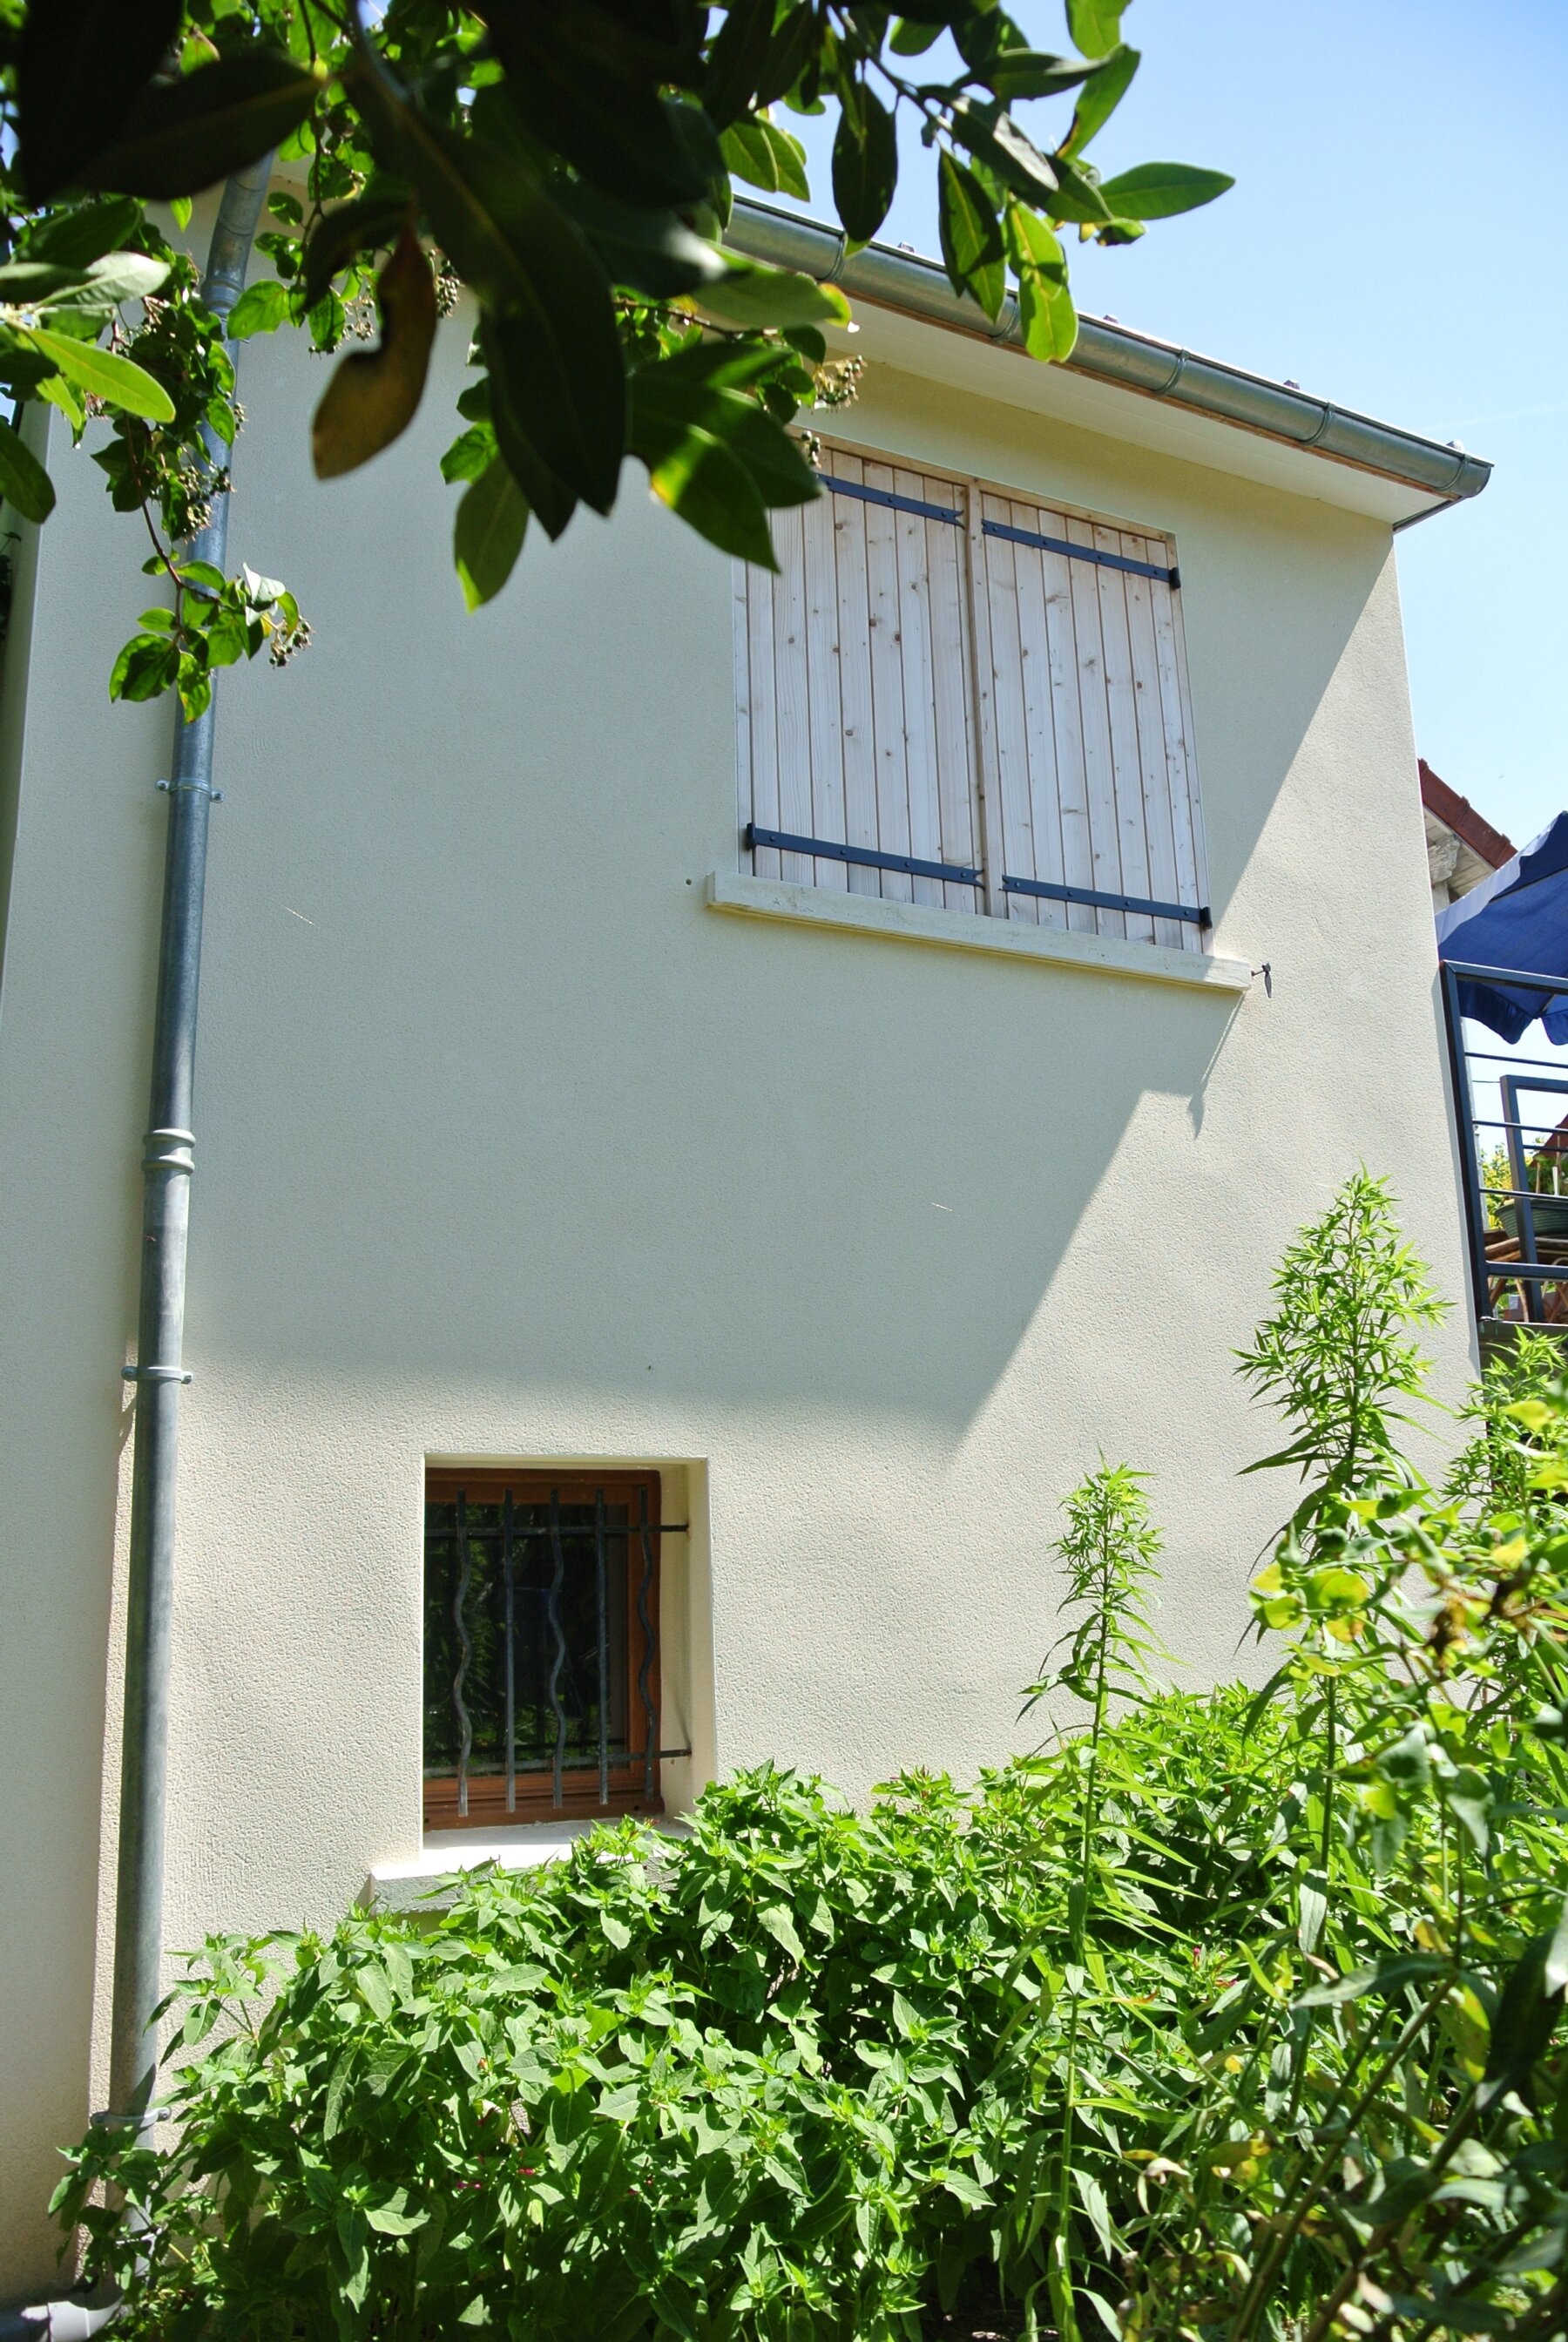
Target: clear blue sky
1392 241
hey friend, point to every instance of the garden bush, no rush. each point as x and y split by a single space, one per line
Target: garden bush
1222 2015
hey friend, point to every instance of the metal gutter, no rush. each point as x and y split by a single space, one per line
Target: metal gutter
167 1164
1137 362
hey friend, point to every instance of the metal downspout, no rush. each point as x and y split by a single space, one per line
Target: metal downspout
167 1163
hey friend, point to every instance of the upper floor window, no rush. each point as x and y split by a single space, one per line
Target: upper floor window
948 694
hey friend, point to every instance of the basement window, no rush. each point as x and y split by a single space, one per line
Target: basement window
953 695
541 1646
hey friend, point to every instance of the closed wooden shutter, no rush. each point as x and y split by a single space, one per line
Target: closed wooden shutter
1084 719
946 674
854 685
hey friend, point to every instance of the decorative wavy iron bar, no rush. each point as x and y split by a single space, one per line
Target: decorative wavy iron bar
1171 577
507 1525
465 1651
558 1661
650 1645
1051 892
602 1620
827 849
864 495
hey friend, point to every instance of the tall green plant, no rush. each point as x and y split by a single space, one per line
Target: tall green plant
1111 1549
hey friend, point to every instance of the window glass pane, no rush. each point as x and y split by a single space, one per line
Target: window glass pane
540 1656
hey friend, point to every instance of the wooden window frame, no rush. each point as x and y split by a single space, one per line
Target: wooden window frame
487 1807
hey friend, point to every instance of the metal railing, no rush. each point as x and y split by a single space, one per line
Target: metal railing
1513 1164
541 1645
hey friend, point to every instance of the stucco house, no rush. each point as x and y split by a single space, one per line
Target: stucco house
720 1095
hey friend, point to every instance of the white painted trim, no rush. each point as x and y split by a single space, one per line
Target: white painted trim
425 1882
919 923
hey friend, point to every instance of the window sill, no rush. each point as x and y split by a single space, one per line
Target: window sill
919 923
423 1884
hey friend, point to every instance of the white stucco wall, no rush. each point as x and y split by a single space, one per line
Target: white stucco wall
508 1149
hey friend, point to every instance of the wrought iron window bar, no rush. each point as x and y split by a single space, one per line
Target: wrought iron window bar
962 874
514 1538
891 501
1548 1077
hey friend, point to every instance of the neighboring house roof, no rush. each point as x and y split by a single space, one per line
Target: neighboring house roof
1429 475
1457 814
1462 846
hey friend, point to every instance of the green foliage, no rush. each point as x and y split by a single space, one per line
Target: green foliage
1229 2015
574 169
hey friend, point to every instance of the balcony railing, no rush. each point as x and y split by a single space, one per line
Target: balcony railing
1513 1162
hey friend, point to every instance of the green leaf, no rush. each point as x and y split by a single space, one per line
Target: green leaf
471 454
1391 1976
146 667
1096 26
865 162
995 139
75 238
616 1931
652 251
700 480
184 136
1015 74
1523 2022
1078 198
552 344
492 520
603 113
765 157
23 483
81 66
374 1990
1100 96
911 38
374 394
776 1922
364 224
1161 190
970 236
736 59
756 296
966 2188
261 308
1046 316
105 374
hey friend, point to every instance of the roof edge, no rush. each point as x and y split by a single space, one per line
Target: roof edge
1460 816
1113 353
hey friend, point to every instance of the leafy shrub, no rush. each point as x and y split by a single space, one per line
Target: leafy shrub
1231 2015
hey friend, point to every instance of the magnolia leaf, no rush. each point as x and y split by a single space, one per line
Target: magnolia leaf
756 296
1161 190
653 252
970 236
75 238
104 374
81 66
1096 26
368 221
767 157
184 136
23 483
1100 96
736 60
865 162
492 520
374 394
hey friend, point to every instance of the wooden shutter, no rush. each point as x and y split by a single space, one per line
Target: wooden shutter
1086 731
854 685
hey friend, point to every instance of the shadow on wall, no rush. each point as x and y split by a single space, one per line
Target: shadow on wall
532 1116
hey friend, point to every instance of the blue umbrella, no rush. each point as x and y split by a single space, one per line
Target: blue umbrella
1518 919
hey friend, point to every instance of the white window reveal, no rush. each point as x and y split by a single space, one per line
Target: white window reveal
951 696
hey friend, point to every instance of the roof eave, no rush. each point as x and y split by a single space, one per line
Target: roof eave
1113 353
